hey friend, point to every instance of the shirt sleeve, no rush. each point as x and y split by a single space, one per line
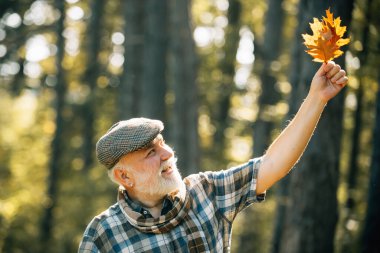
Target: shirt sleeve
87 246
235 188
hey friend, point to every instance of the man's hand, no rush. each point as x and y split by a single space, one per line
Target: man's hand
328 81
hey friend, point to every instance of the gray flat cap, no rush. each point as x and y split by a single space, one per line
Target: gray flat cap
124 137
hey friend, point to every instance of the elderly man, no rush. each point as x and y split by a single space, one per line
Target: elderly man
158 211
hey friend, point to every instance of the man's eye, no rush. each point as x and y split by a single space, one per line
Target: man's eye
151 152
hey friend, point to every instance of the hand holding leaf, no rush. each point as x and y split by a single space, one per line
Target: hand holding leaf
327 38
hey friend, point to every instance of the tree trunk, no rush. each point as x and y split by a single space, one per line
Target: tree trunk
312 214
269 52
91 75
354 166
154 74
227 68
131 79
184 125
266 52
282 190
56 151
370 236
353 169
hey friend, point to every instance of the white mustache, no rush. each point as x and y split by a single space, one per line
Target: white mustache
171 163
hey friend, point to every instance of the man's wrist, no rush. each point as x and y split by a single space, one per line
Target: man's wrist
316 100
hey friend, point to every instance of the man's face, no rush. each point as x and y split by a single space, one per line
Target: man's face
154 169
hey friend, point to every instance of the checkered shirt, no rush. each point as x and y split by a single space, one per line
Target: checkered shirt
216 199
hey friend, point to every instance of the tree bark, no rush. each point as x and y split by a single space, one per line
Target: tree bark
370 238
354 166
354 154
311 215
154 73
56 145
91 75
270 51
227 68
184 124
131 79
370 235
266 52
282 192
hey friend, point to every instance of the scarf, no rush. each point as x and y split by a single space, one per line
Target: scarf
164 223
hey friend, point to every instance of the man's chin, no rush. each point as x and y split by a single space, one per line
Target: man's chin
168 185
173 183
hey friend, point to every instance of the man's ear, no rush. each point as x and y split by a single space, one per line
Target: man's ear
123 177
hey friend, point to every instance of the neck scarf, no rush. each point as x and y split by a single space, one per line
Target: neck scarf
164 223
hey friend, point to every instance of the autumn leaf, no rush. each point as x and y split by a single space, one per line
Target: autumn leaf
324 45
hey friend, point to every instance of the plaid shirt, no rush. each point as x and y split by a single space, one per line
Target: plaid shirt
166 207
216 199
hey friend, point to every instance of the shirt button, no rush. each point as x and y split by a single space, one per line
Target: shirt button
145 212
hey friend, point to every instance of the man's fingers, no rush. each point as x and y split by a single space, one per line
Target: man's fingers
328 66
342 81
333 71
341 73
321 71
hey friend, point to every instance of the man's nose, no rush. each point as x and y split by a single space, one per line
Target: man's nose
166 152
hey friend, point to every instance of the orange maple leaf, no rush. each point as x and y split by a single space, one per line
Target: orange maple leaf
324 45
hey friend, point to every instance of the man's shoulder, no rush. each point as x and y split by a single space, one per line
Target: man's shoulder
209 176
106 219
222 178
200 184
204 178
196 179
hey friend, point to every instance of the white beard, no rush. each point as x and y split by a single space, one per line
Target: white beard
163 186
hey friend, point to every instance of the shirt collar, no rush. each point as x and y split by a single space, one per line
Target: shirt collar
166 206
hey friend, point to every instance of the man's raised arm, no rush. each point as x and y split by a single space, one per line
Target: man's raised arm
288 147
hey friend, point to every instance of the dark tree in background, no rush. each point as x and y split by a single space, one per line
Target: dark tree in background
227 68
152 102
184 123
46 229
131 78
370 239
90 77
312 209
160 64
268 53
354 166
143 83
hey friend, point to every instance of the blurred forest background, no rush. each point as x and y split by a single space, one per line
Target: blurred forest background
224 75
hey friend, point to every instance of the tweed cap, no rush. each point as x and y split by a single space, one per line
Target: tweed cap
125 137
